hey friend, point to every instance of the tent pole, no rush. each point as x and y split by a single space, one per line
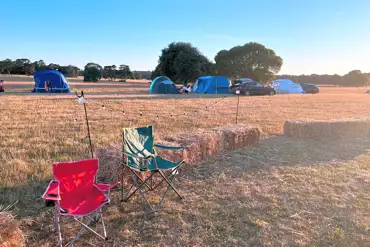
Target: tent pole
237 111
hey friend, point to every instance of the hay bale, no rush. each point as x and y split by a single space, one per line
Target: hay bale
332 128
191 155
200 146
238 136
174 156
10 233
206 144
109 163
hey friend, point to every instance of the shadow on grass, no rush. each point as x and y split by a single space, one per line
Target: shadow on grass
283 192
277 151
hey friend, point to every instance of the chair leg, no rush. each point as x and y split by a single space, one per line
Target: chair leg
169 183
57 224
138 187
80 231
122 183
86 226
169 177
141 180
102 222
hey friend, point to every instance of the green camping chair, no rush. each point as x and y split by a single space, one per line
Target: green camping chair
139 155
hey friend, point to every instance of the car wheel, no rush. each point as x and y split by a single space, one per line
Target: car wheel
247 93
272 93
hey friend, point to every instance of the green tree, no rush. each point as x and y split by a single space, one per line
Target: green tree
54 66
21 66
182 63
30 69
110 72
40 65
92 72
124 72
69 71
252 60
355 78
6 66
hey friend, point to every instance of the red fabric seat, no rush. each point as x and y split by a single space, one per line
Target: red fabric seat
82 204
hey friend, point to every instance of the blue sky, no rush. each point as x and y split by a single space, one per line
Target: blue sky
316 36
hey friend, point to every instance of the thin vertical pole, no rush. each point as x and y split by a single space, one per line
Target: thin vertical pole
87 123
237 111
88 132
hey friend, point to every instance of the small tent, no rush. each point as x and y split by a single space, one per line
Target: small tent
212 85
285 86
163 85
50 81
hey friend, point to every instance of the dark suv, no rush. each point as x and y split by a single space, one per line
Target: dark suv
310 88
252 88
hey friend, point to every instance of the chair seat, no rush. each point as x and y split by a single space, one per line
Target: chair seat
82 204
53 188
162 164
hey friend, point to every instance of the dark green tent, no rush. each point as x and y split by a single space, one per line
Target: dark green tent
163 85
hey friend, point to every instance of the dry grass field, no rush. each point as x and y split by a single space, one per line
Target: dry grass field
284 192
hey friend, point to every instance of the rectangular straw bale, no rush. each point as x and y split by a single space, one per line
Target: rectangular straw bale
238 136
331 128
10 232
193 153
110 158
172 155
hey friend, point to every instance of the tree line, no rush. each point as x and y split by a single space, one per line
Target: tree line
24 66
91 72
354 78
184 63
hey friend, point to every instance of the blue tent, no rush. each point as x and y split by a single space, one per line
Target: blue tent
56 80
212 85
163 85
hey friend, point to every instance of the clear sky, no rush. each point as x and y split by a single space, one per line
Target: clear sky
312 36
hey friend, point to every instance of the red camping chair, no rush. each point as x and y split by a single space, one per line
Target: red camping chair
75 194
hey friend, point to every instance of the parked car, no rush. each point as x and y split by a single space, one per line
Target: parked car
238 82
310 88
2 86
253 88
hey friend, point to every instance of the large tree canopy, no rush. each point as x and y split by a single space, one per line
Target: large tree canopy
182 62
92 72
251 60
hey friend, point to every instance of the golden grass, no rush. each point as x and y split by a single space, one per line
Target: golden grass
285 192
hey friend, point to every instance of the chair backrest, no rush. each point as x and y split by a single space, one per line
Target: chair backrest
138 142
76 177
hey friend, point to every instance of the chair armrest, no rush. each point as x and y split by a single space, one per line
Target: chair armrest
52 192
137 157
168 147
106 187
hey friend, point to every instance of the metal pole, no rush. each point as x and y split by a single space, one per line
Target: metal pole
237 111
88 132
87 123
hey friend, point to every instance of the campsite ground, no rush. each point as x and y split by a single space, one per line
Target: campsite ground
284 192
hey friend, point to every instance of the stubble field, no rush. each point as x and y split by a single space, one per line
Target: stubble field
284 192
